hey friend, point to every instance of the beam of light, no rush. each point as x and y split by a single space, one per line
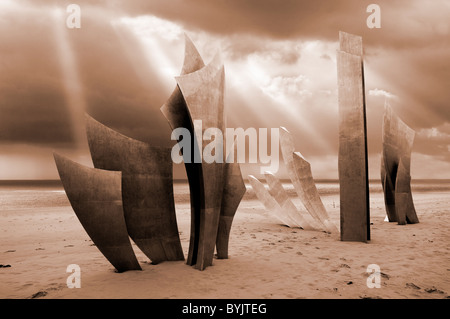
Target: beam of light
288 98
8 5
129 47
154 34
246 82
237 80
72 85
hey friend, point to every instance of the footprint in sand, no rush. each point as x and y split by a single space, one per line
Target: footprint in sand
384 275
39 294
412 285
434 290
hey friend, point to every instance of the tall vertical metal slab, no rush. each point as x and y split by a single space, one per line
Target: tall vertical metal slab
147 189
352 159
175 109
177 114
203 92
398 139
216 189
96 198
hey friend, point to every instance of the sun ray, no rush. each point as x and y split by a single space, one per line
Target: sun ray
73 87
153 34
288 101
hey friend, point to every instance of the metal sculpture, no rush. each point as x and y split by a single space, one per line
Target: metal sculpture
276 199
352 159
177 114
299 171
271 205
277 191
147 189
96 198
398 139
216 187
203 93
145 174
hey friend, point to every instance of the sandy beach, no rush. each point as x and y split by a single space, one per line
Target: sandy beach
267 260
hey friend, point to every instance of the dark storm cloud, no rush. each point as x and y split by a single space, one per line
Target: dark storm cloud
407 57
248 24
435 141
278 19
404 22
240 46
33 102
116 93
435 146
410 52
419 78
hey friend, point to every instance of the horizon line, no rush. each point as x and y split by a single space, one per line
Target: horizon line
182 180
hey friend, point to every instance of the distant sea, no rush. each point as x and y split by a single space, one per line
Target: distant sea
28 194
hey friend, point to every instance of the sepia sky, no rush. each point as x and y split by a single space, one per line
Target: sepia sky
280 70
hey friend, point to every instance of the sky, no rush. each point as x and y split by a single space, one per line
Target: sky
280 70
